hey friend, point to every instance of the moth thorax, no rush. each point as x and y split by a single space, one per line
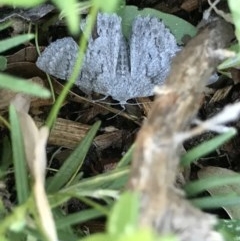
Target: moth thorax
123 60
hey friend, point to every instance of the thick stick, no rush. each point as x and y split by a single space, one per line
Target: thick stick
156 156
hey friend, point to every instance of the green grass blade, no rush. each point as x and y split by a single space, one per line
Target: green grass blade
22 3
123 219
203 184
231 187
13 236
230 229
90 184
20 169
14 41
23 86
65 232
206 147
91 203
5 25
107 5
77 218
103 180
3 63
72 16
235 11
72 165
16 220
126 159
232 62
216 201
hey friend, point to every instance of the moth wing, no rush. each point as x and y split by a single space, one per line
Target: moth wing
101 58
152 47
58 58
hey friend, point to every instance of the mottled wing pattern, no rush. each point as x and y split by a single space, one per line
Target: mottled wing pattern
145 62
100 63
121 83
58 58
112 66
152 47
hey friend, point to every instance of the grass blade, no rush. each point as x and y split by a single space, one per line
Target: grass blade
23 86
72 165
72 16
206 147
20 170
22 3
126 159
77 218
203 184
15 41
5 25
216 201
103 180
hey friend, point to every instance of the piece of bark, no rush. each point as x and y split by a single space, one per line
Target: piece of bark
221 94
69 134
156 155
65 133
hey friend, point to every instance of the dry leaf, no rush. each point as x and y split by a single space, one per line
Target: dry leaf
35 141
